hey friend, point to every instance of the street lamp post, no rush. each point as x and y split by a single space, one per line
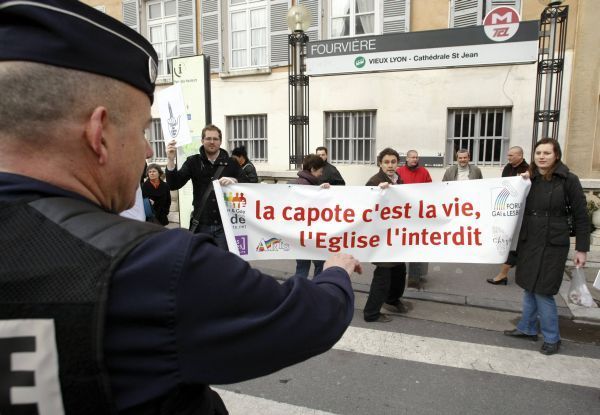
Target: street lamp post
298 20
550 65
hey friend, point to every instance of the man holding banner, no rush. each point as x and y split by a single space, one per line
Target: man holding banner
389 278
210 164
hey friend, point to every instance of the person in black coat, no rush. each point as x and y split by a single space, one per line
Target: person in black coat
210 164
389 278
241 155
157 191
544 242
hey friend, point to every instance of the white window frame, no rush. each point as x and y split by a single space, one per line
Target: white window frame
253 135
377 24
156 140
164 69
248 6
480 132
350 136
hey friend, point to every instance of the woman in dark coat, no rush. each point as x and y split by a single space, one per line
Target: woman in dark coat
312 169
544 242
157 191
241 156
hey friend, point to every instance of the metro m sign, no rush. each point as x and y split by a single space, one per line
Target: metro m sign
501 23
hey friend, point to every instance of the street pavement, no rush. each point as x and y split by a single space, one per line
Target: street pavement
437 359
463 284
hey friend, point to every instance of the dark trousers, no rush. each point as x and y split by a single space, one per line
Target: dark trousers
387 286
303 267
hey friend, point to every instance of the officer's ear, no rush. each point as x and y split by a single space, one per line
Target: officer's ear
94 134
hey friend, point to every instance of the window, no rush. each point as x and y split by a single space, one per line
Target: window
350 137
248 32
249 131
354 18
162 32
155 138
484 132
465 13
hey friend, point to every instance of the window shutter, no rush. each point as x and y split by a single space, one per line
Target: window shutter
314 30
396 16
279 32
211 32
186 24
131 14
492 4
465 13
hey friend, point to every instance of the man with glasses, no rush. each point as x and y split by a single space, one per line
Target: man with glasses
211 163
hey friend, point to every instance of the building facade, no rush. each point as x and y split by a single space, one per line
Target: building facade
484 108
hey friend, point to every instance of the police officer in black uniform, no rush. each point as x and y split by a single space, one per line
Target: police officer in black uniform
98 313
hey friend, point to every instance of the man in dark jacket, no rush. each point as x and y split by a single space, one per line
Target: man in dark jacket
516 165
202 169
115 315
330 174
389 278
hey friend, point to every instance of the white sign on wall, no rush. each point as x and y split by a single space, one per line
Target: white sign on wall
508 42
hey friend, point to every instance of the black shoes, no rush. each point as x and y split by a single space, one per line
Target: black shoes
520 334
550 348
399 307
503 281
382 318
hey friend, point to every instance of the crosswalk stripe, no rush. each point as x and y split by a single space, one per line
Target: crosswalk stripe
571 370
239 404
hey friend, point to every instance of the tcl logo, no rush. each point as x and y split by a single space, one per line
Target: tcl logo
501 23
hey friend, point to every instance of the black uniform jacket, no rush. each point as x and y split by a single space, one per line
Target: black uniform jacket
181 311
544 236
201 171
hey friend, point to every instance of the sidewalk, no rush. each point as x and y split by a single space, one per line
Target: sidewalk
463 284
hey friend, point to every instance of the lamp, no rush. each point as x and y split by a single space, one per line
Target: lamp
298 20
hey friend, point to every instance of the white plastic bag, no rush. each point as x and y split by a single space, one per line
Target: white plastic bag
578 290
597 281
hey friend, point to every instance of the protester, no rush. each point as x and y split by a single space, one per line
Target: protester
312 169
462 170
158 194
544 242
389 278
210 164
410 173
241 156
330 174
516 165
115 315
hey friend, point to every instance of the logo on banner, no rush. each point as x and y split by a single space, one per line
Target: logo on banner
242 244
501 23
272 245
501 240
360 62
236 203
504 200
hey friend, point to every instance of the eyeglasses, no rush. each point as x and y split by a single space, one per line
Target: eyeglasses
211 139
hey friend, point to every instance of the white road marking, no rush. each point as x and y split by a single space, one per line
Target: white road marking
239 404
571 370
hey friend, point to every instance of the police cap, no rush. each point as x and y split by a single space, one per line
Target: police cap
70 34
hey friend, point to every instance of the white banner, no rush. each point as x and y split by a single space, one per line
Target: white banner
465 221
